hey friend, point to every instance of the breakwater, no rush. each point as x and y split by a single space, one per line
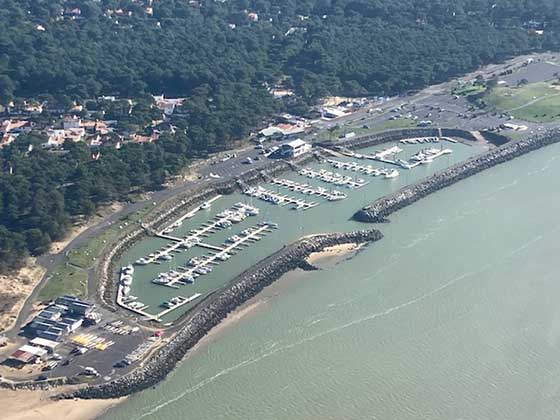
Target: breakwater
215 308
400 134
380 209
107 267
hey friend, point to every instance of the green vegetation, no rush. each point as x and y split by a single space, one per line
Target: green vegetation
538 102
65 280
86 255
222 60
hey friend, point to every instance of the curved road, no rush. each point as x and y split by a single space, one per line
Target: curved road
229 169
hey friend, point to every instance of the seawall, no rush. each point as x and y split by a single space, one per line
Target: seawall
214 309
379 210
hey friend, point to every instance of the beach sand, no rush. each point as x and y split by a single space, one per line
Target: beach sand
322 260
37 405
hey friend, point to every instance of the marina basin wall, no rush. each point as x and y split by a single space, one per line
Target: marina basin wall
383 207
215 308
107 266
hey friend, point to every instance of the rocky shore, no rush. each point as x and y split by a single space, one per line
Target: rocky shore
379 210
216 307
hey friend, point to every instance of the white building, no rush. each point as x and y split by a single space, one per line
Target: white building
294 148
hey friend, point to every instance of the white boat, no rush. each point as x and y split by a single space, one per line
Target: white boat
141 261
205 205
165 257
336 196
392 173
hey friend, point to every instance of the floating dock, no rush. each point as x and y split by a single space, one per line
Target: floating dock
183 302
367 170
236 214
180 220
279 199
203 263
333 178
307 189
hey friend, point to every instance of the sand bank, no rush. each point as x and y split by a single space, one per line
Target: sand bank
34 405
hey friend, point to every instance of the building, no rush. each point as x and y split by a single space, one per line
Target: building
294 148
48 345
28 354
75 305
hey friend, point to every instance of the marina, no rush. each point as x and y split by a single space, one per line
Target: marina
309 190
278 199
364 169
203 263
333 178
200 266
225 219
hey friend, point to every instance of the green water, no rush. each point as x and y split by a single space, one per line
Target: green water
328 216
453 315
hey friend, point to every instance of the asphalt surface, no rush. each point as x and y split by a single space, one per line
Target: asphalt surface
433 103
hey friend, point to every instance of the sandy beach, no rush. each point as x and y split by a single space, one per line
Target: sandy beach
334 254
35 405
323 260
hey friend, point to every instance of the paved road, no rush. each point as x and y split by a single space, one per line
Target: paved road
230 168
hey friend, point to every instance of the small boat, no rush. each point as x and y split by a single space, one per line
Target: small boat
206 205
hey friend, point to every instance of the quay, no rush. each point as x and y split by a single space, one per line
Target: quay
279 199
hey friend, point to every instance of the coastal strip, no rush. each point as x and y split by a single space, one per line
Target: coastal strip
379 210
216 308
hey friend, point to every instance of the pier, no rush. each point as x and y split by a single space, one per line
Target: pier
202 265
224 219
330 178
367 170
183 302
279 199
306 189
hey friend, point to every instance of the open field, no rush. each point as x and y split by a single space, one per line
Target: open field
537 102
85 256
66 280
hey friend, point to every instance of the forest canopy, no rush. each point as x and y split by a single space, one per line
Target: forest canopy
221 55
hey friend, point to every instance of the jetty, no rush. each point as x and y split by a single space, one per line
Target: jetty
278 198
333 178
235 214
201 265
308 189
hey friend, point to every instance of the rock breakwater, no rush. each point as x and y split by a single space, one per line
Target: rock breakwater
379 210
216 307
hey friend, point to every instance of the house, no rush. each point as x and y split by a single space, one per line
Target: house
168 105
71 122
253 17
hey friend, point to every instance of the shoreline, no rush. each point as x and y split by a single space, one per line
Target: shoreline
325 259
216 308
380 209
33 405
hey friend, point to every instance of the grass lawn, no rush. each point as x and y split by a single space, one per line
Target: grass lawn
86 255
65 280
537 102
71 278
361 131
